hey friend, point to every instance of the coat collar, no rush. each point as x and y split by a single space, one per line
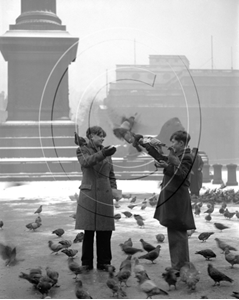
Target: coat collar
92 145
184 151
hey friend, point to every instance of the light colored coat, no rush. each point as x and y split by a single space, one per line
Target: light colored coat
95 209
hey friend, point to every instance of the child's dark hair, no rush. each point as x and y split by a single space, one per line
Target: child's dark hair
181 135
95 130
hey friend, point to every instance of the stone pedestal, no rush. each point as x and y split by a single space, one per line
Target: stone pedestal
206 173
38 50
231 175
217 174
38 137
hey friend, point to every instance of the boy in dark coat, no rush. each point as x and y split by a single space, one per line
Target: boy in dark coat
174 209
95 210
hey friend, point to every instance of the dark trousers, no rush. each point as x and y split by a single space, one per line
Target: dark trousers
103 247
178 247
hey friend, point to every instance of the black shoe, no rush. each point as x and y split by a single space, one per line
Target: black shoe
105 267
87 267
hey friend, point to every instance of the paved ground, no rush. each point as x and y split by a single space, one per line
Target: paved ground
17 209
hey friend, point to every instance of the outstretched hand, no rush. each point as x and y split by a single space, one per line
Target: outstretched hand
108 151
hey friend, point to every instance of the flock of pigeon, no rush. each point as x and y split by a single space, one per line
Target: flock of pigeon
135 264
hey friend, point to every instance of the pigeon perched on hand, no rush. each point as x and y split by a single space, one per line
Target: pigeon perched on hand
217 276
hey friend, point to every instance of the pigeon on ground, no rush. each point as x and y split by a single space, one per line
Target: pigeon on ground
80 292
1 224
131 206
70 252
113 282
221 210
125 271
75 268
171 276
216 275
209 210
128 242
73 216
33 225
208 217
138 217
65 243
133 200
231 258
126 263
222 245
79 238
207 253
220 226
39 210
129 250
140 223
33 277
54 275
160 237
143 205
44 285
147 247
127 214
197 211
117 217
152 255
55 248
204 236
59 232
8 253
190 275
138 268
148 286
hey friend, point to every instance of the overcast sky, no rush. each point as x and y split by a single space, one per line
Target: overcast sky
107 30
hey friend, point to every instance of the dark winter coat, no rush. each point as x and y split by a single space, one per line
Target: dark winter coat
95 210
196 175
174 208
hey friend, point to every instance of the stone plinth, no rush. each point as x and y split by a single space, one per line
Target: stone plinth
231 175
206 173
217 174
